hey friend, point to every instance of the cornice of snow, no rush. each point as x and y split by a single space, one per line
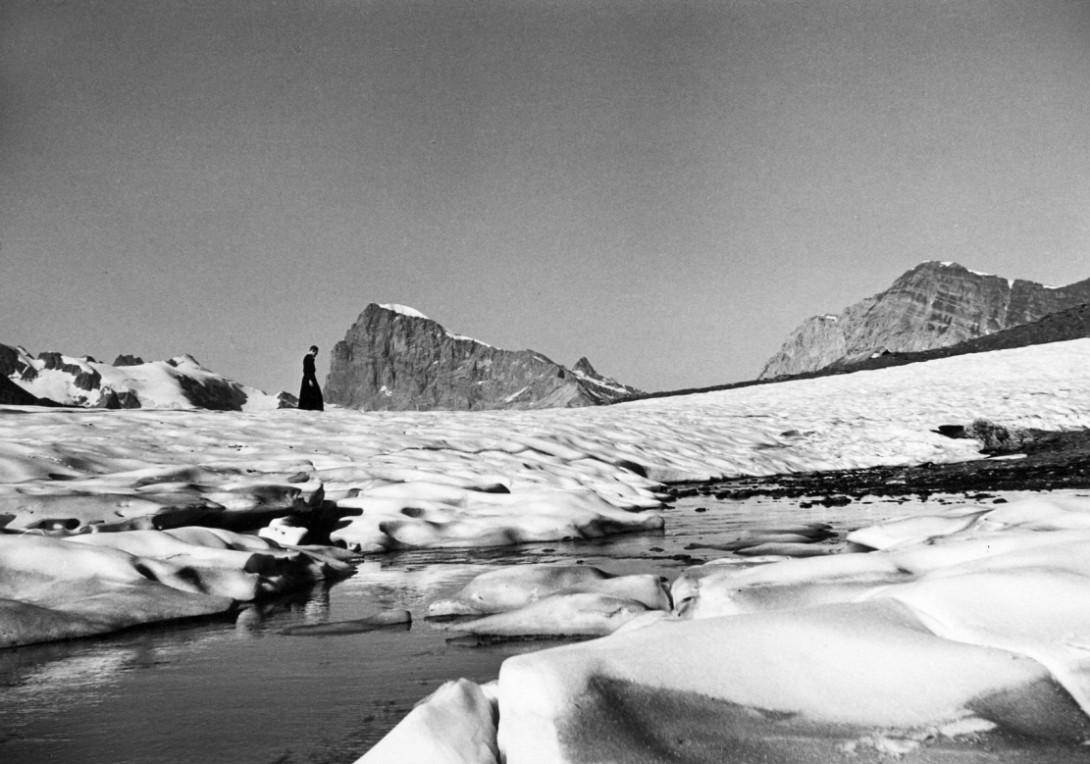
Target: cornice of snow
403 310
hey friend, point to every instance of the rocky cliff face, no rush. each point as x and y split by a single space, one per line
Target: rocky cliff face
395 358
933 305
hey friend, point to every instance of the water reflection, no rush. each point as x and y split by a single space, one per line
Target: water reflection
237 689
306 606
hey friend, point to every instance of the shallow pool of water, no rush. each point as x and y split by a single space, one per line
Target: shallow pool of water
239 690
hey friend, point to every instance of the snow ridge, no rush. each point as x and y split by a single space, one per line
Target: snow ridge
403 310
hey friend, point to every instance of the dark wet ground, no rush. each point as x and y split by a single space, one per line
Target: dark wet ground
1052 461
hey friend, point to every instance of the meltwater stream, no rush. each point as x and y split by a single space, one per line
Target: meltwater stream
239 690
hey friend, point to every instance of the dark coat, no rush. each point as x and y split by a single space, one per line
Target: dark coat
310 394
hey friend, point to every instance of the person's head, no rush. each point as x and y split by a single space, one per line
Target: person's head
314 350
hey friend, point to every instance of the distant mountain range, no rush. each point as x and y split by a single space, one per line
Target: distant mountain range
934 305
396 358
55 379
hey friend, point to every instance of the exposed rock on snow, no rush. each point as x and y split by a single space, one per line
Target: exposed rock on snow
933 305
13 395
396 358
179 382
387 619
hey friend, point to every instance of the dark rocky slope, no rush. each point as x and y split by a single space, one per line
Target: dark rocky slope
1049 461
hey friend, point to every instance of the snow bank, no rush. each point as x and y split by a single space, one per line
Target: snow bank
499 591
454 725
59 588
979 626
403 310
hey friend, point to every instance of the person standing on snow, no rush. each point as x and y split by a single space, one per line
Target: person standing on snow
310 394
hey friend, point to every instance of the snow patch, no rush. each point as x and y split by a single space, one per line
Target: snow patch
617 388
950 264
513 396
463 338
403 310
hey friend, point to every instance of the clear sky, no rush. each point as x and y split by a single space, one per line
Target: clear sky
668 187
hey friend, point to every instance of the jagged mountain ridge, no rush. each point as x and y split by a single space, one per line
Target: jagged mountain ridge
396 358
1070 324
54 378
934 305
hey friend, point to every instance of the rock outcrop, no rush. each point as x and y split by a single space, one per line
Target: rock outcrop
12 394
931 306
395 358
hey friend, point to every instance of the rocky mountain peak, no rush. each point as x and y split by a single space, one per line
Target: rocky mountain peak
582 366
936 304
396 358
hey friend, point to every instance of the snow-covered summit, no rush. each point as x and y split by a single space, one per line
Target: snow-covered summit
959 266
403 310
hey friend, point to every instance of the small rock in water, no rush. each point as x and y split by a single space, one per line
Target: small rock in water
388 619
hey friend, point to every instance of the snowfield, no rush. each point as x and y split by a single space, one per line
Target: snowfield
955 625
